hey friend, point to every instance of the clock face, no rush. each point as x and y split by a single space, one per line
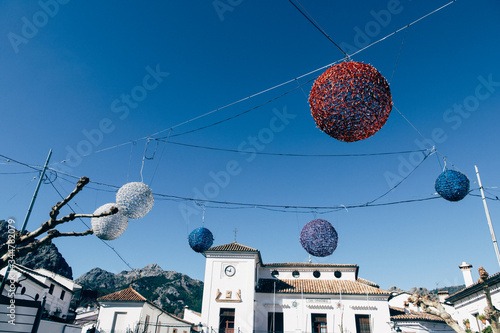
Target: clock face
230 270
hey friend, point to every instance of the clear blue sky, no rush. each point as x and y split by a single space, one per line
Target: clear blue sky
66 75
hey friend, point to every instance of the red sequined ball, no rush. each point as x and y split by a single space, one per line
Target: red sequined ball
350 101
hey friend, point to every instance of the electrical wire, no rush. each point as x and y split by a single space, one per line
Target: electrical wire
88 227
272 88
294 154
283 208
316 25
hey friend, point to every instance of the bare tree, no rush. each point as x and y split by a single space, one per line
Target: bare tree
434 307
21 244
491 313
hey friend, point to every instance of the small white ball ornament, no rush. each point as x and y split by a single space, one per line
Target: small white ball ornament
135 200
109 227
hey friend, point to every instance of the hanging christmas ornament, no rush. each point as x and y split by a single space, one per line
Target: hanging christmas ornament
109 227
350 101
452 185
135 199
201 239
319 238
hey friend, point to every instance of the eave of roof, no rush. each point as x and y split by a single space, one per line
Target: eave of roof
327 287
473 288
232 247
307 264
130 295
125 295
401 315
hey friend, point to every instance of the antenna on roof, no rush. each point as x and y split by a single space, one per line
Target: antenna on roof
235 231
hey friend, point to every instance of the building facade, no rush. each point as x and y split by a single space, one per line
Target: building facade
243 294
127 311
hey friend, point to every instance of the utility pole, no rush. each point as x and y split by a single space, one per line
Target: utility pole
492 232
28 213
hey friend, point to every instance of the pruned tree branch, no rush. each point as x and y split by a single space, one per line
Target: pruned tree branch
24 243
434 307
491 313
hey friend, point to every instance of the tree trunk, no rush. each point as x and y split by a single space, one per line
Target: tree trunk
435 308
490 312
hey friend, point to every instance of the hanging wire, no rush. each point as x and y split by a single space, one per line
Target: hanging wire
402 180
161 155
399 54
132 144
274 87
88 227
316 25
296 155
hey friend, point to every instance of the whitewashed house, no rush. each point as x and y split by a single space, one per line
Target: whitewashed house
34 284
128 311
27 288
242 294
470 301
408 317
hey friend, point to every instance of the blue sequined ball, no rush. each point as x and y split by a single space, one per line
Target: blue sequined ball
452 185
319 238
201 239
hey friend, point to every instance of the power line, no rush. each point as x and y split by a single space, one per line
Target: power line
316 25
294 154
86 225
269 89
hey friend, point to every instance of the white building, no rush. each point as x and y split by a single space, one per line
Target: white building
470 301
128 311
242 294
34 284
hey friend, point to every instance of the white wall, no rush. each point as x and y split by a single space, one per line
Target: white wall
243 280
297 310
107 313
53 327
474 304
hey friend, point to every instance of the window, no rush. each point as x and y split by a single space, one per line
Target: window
275 322
316 274
37 296
295 274
362 323
63 292
275 274
337 274
226 321
146 323
23 290
51 288
318 321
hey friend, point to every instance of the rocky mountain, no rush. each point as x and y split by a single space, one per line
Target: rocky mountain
47 256
424 291
167 289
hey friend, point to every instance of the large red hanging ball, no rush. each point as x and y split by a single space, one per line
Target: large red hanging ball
350 101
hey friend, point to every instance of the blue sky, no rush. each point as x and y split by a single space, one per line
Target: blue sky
68 67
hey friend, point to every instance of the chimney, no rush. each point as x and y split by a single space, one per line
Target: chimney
443 294
465 267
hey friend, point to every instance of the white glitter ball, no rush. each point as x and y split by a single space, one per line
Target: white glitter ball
109 227
135 199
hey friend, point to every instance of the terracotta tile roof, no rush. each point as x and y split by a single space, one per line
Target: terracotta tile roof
128 294
299 264
473 288
232 247
368 283
307 286
398 314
